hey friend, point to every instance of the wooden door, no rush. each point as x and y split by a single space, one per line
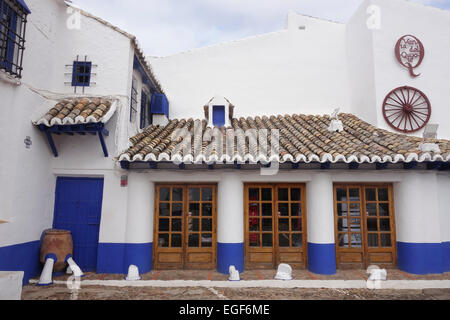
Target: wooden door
275 225
291 225
185 227
200 250
365 226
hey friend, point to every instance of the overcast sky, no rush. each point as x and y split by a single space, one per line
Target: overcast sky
165 27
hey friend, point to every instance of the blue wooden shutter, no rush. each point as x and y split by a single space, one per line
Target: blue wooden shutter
81 75
159 104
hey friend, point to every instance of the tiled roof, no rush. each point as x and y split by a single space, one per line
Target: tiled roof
302 138
78 111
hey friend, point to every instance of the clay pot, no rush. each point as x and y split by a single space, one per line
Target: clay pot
59 243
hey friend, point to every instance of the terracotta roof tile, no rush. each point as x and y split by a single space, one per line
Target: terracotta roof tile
78 111
302 138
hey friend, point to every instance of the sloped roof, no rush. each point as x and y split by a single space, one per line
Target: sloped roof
78 111
302 138
138 50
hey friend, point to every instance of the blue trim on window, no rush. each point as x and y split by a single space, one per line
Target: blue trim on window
230 254
81 79
6 61
322 258
219 116
145 78
21 257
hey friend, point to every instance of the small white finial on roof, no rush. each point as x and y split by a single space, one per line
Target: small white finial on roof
336 124
334 115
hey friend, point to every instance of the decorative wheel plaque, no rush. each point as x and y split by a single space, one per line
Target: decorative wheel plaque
407 109
410 53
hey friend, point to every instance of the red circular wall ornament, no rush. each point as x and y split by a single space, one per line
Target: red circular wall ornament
406 109
410 53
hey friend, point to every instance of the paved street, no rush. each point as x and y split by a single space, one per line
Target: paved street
93 292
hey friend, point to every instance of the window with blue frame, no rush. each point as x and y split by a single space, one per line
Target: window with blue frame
81 74
13 18
219 116
146 116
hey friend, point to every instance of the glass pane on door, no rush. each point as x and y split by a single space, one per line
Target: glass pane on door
200 220
275 225
185 227
364 224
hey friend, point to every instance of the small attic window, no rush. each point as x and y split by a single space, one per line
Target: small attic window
219 116
81 76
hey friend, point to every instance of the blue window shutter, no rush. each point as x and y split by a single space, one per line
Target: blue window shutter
219 116
159 104
81 74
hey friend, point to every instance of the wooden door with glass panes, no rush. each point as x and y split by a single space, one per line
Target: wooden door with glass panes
365 225
275 225
185 227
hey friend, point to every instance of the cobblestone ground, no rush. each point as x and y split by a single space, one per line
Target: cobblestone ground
147 293
60 292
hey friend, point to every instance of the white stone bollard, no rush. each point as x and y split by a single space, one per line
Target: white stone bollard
234 274
133 273
284 272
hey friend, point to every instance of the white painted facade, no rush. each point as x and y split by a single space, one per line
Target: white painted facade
51 47
349 66
311 67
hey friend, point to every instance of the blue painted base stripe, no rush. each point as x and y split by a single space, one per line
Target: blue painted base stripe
446 256
230 254
21 257
423 258
115 258
140 255
322 258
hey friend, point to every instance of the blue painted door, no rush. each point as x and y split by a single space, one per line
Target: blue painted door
78 207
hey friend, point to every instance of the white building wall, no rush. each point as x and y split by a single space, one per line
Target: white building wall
290 71
444 205
417 212
104 46
320 204
141 194
28 200
431 26
27 189
361 70
230 213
